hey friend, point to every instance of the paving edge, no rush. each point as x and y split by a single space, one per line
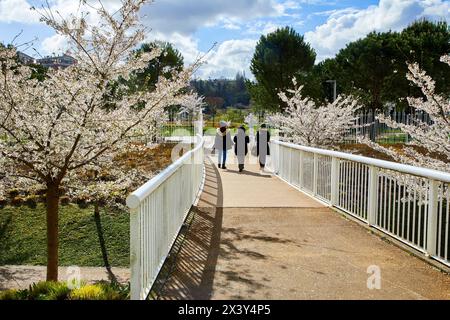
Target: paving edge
397 243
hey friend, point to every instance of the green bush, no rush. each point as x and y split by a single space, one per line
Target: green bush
48 291
31 201
60 291
17 201
115 291
89 292
9 295
65 201
82 203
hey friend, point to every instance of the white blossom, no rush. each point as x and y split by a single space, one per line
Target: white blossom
53 132
430 141
308 124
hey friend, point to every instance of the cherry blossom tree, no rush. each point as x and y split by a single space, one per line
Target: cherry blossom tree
59 134
308 124
430 141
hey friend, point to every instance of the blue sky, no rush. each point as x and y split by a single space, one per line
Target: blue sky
236 25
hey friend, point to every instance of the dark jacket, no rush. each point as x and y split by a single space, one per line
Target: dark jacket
237 140
263 136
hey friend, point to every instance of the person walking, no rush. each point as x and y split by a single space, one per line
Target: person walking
262 146
241 141
223 143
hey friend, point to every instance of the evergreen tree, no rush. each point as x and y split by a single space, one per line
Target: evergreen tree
278 58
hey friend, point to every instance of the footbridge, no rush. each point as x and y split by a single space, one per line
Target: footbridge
318 224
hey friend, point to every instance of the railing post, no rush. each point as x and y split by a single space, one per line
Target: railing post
373 196
273 158
135 255
290 179
316 174
335 174
432 218
198 125
302 153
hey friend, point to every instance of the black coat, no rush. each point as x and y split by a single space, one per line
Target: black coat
258 139
235 140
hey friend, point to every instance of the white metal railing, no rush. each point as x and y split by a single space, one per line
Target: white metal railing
158 211
409 203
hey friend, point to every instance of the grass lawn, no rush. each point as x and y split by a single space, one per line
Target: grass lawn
393 139
23 236
23 230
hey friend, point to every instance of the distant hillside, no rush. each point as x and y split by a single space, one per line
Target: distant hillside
224 93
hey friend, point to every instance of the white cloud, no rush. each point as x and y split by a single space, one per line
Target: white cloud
17 11
228 58
186 44
344 26
224 60
291 5
186 17
20 10
55 44
261 28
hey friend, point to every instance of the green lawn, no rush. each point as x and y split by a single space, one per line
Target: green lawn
393 139
23 237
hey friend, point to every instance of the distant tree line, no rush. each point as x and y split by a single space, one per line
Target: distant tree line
224 92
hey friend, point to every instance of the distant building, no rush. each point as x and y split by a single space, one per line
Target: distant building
25 59
63 61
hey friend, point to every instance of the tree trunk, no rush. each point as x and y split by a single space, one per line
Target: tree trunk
52 231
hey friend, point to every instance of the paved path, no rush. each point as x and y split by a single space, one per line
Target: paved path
287 246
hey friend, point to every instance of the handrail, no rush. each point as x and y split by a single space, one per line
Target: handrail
135 199
413 210
158 210
416 171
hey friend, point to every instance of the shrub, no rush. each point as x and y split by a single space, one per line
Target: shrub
82 203
60 291
48 291
31 201
17 201
115 291
14 295
89 292
9 295
13 193
65 200
3 202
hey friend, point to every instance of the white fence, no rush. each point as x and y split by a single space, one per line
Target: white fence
158 211
409 203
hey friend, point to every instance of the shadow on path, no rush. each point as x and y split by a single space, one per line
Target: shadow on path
195 267
249 173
